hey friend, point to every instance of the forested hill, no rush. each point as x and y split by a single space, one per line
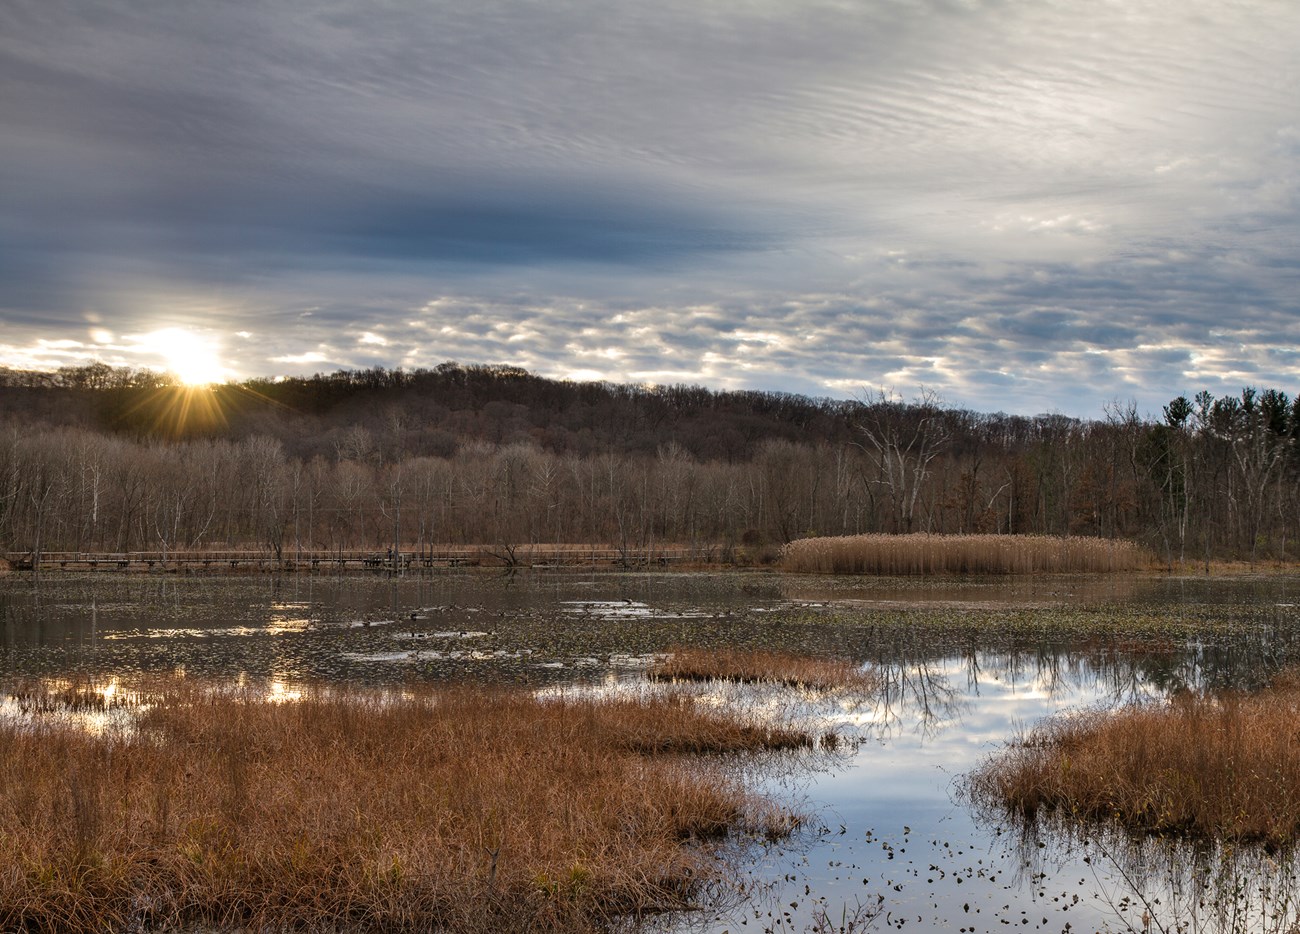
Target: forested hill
430 410
114 459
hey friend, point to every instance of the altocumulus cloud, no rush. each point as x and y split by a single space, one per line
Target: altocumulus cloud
1025 206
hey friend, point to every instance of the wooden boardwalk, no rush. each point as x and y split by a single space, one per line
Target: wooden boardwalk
522 556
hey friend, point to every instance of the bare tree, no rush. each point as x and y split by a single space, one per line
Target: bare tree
390 505
264 467
901 440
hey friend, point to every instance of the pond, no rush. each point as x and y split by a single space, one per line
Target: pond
892 841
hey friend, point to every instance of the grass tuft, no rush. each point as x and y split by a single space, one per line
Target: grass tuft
922 554
438 809
1206 767
761 667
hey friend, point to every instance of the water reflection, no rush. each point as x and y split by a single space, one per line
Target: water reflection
1161 884
98 707
918 694
279 692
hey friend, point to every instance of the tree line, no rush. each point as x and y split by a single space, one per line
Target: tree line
101 459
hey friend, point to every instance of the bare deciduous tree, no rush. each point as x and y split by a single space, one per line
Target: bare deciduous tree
901 441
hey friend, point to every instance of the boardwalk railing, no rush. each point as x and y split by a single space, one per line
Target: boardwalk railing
381 560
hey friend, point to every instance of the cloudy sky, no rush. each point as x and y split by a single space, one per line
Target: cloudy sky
1025 205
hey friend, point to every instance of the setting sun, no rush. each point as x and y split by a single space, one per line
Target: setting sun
193 358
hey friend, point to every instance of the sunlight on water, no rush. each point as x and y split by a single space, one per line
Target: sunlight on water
278 692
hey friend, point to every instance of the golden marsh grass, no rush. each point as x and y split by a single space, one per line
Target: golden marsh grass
922 554
1212 767
433 810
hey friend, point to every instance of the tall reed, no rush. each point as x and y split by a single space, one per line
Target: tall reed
1223 767
920 554
451 810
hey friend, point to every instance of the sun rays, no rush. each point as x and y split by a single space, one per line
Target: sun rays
194 359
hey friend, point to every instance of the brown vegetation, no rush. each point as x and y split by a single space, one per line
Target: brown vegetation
960 554
1223 767
444 810
757 666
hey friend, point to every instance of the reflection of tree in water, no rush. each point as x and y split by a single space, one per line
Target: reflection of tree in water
1159 883
916 690
1118 667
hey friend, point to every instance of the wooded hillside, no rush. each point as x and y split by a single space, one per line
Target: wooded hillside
97 458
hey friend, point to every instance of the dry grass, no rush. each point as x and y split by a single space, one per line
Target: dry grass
1221 767
960 554
440 810
757 666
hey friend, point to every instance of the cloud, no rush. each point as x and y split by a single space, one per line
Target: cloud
1028 206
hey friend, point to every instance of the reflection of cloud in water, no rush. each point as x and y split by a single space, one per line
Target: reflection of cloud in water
626 609
1178 885
845 712
422 655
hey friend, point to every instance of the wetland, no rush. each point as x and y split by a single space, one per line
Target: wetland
888 835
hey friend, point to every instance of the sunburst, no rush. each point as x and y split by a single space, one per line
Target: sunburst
194 359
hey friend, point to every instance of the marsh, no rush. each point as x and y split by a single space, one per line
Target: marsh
959 666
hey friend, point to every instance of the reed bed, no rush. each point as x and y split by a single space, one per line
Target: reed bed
922 554
1215 768
755 666
450 810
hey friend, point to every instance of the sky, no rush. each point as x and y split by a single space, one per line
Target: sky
1020 205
